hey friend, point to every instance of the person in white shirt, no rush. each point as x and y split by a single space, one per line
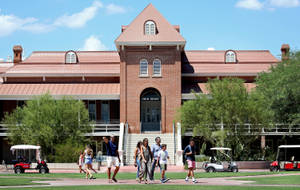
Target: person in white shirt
163 157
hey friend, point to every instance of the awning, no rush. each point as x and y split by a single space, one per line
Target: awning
104 91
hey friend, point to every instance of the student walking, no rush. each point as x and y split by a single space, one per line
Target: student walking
88 155
146 156
155 148
137 158
113 158
189 153
80 162
163 156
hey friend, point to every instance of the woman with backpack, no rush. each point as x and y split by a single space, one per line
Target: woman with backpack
146 161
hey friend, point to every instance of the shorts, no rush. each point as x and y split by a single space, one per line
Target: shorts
163 167
112 161
191 164
88 161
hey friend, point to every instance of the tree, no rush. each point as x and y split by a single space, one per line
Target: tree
220 117
48 122
281 88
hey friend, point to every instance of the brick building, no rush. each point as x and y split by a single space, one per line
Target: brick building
133 92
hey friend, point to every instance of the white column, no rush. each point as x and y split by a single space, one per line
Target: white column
121 137
179 146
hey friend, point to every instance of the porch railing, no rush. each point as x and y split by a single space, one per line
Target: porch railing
249 129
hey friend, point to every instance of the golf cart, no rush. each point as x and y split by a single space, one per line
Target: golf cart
288 158
32 153
220 161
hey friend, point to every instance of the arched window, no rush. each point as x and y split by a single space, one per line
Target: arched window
150 28
143 67
71 57
157 67
230 57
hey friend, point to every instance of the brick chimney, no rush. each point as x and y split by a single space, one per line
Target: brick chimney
17 54
285 52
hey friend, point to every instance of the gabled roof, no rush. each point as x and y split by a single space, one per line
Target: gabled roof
134 32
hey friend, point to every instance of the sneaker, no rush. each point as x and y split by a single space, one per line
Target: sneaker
115 180
186 179
92 177
195 181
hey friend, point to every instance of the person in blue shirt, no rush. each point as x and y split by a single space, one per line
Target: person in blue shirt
189 153
112 157
155 148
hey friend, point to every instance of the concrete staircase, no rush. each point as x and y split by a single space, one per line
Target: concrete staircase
131 140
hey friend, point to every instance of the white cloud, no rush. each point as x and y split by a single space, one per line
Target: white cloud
284 3
115 9
249 4
211 49
78 20
12 23
93 43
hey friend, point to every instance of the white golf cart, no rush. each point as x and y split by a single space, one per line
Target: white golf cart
288 158
25 155
220 161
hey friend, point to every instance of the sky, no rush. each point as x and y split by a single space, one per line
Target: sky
61 25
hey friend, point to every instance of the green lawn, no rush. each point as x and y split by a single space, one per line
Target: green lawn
281 180
18 181
178 175
160 187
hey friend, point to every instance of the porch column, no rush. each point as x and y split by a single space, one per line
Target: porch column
179 146
121 138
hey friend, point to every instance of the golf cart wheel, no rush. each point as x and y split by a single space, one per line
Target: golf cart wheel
43 170
235 170
19 170
210 170
274 169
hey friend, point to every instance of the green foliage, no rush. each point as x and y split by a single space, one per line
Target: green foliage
67 152
281 89
47 122
228 105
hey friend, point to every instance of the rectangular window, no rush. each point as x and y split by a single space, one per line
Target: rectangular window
92 110
105 112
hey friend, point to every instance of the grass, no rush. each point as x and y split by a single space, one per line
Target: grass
160 187
18 181
178 175
279 180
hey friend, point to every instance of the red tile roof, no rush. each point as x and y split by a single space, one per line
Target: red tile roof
224 69
79 89
83 57
218 56
201 88
103 69
134 32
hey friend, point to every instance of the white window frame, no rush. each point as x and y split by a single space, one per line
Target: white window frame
71 57
230 57
157 62
145 62
150 28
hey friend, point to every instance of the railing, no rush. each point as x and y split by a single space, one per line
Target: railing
97 128
249 129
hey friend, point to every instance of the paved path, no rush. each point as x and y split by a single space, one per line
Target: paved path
220 181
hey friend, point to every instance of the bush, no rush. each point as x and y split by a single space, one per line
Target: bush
67 152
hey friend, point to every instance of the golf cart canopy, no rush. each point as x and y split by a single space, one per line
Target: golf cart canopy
289 146
24 147
220 148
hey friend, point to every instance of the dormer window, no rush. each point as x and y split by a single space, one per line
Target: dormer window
71 57
150 28
230 57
